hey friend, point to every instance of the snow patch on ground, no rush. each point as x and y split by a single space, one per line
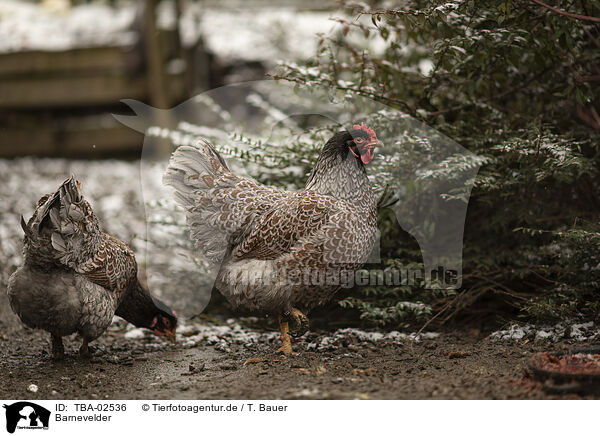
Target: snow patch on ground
356 335
578 332
223 336
252 34
32 26
264 35
135 333
192 334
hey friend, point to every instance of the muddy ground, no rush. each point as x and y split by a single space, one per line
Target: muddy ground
128 365
207 362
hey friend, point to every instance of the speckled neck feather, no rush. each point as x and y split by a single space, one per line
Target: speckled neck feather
338 172
345 179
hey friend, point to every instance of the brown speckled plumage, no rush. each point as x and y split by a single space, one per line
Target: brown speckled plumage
75 276
262 237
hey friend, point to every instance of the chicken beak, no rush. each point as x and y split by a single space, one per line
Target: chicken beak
171 336
377 144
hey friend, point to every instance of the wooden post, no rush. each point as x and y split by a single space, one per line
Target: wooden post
157 78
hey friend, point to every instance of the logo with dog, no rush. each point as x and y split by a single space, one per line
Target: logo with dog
25 415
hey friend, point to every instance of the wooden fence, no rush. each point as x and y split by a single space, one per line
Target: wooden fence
59 103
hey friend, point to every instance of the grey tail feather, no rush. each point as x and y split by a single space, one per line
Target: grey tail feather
47 207
67 193
24 226
216 153
189 161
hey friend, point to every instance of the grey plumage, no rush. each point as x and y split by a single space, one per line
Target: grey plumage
60 302
75 276
264 238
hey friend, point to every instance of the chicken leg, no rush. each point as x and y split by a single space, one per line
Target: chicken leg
58 349
286 347
84 350
300 325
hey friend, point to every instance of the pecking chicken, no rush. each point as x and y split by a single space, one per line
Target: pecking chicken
75 277
281 252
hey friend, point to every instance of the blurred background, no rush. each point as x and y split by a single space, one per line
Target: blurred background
66 64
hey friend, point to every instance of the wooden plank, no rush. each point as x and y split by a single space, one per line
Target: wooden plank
84 142
68 91
98 142
24 142
75 60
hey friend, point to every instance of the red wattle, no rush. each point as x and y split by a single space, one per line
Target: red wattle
367 156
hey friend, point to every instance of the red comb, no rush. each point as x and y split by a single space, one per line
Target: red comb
366 129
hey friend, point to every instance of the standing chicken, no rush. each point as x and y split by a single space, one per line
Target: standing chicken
75 278
281 251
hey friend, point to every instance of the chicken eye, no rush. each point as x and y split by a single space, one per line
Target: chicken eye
166 322
359 140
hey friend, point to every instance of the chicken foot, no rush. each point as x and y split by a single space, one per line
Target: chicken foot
286 347
58 349
300 323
